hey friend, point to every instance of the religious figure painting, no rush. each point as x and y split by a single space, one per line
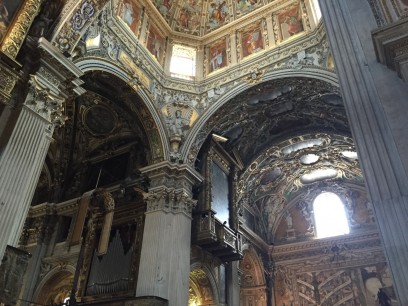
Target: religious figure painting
156 44
129 12
290 22
8 10
217 13
251 41
217 55
189 18
163 6
245 6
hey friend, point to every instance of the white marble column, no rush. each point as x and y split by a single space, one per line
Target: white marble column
165 256
23 156
376 101
20 167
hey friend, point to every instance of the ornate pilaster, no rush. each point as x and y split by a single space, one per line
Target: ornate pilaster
23 156
373 97
165 256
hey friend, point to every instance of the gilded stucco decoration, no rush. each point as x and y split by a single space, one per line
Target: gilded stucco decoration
14 38
75 21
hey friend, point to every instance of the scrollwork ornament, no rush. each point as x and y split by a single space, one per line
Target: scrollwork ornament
15 38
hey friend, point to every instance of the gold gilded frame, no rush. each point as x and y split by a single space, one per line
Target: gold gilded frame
18 28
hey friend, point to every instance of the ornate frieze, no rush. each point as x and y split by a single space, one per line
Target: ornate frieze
174 201
8 79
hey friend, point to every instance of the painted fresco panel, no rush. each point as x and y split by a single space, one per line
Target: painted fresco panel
156 44
217 55
290 22
129 12
217 13
245 6
190 17
251 41
163 6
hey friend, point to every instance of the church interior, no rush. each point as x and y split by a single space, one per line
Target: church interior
203 152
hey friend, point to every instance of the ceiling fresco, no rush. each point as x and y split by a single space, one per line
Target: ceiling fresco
197 17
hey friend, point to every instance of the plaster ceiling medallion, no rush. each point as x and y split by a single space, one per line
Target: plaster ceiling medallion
309 159
318 175
350 154
301 145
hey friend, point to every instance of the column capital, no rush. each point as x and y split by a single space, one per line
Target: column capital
169 200
171 187
55 81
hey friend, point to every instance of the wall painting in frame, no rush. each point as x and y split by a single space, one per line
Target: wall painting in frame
290 21
217 55
251 40
130 12
156 44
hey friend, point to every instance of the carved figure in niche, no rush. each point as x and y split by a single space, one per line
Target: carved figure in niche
289 220
178 124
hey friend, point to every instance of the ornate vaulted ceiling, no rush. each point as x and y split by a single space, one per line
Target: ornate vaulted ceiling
293 138
199 17
276 110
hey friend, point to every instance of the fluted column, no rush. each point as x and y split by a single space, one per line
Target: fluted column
374 97
165 256
23 156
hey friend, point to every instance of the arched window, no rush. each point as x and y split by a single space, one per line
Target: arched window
330 217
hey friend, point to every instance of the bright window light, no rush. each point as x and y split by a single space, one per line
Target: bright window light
316 10
183 62
330 217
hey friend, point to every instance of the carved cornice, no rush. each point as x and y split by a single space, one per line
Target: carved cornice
172 176
391 45
329 251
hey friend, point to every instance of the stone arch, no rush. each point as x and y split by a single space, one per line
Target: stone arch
200 130
157 135
203 285
253 289
55 286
